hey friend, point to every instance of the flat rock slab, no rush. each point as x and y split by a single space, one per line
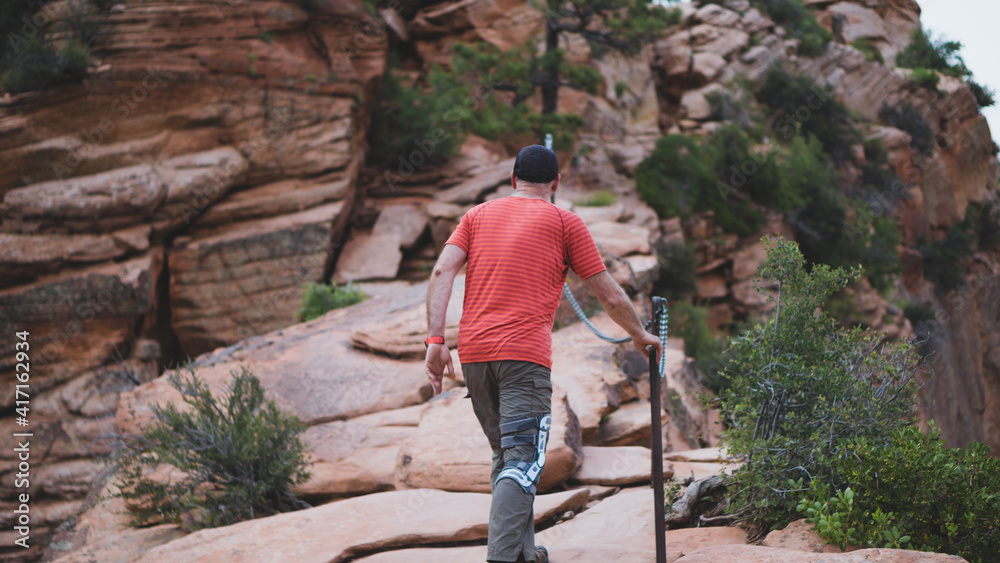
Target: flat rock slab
333 380
450 452
349 528
686 469
623 465
352 456
369 256
630 425
799 536
700 455
402 334
620 239
758 554
584 366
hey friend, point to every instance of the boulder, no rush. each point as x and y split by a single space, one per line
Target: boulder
276 198
401 334
695 102
622 465
245 279
473 189
727 42
799 536
369 257
584 366
746 261
716 15
450 452
354 456
406 222
711 286
365 525
620 239
77 319
705 67
700 455
759 554
859 21
630 425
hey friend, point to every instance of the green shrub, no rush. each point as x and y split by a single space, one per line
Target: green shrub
799 22
602 198
801 106
905 117
925 78
691 323
239 456
870 50
940 55
673 177
39 65
802 388
943 258
913 493
678 271
984 95
319 299
881 258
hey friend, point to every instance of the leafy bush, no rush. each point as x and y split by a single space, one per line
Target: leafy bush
870 50
925 78
801 106
238 454
678 271
799 22
943 258
913 493
925 52
905 117
984 95
39 65
691 323
319 299
802 388
881 259
672 178
602 198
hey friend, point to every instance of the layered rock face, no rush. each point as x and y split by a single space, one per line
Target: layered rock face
174 201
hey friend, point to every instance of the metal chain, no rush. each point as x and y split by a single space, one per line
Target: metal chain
662 321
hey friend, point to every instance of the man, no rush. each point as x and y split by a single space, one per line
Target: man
518 249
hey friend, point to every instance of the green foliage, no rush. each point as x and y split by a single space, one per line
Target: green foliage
673 177
943 258
923 51
803 107
678 271
871 51
925 78
602 198
905 117
319 299
33 61
801 388
984 95
691 323
238 456
408 120
913 493
622 25
881 259
799 22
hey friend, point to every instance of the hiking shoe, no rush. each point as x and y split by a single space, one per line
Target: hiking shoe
541 554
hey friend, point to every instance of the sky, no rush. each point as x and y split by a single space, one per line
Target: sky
976 24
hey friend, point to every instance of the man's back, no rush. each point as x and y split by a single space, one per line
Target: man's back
519 250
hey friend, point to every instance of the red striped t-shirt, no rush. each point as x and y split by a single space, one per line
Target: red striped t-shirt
519 251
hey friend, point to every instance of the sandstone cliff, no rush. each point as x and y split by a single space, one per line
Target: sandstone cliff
212 161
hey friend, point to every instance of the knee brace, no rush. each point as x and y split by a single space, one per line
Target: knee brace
523 473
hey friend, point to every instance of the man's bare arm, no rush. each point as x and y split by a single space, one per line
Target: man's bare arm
616 303
438 293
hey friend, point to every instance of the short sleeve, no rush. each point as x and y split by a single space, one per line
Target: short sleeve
581 252
463 233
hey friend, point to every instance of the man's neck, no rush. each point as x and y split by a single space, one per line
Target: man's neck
531 195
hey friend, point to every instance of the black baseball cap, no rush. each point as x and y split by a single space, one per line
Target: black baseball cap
537 164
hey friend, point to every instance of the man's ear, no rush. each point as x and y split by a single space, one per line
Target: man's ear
513 181
555 183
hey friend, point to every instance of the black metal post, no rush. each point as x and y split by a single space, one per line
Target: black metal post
654 405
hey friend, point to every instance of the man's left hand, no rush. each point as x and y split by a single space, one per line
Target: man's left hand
438 357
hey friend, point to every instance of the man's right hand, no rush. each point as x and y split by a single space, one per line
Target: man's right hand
640 341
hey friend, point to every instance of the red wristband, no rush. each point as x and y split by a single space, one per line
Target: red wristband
433 340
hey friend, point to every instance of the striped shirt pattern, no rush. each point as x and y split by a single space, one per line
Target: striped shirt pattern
519 251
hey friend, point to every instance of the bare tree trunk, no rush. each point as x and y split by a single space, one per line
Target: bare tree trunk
550 88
